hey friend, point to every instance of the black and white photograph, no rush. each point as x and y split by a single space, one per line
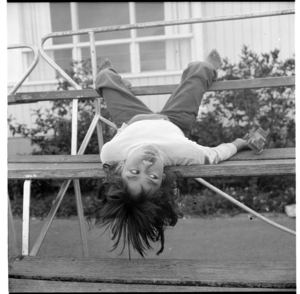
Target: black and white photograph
151 147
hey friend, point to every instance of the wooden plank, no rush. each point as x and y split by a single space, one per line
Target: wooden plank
55 171
237 168
30 97
267 154
221 85
95 170
40 286
253 83
243 274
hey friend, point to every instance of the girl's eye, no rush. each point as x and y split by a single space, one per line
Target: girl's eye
153 177
134 171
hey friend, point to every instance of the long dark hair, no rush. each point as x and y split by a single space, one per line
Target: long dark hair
138 219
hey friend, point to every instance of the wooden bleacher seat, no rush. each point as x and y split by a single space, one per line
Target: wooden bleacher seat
279 161
48 274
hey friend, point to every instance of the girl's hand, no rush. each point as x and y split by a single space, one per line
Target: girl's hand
240 144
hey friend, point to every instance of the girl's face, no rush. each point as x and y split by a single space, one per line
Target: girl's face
143 168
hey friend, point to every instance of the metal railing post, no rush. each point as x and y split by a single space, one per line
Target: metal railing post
30 68
97 100
27 184
26 218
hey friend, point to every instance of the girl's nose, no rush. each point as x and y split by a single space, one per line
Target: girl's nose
147 162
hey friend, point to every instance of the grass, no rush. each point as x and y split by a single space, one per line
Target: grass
202 204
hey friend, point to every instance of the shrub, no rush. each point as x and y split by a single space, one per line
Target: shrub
207 202
227 116
52 131
234 113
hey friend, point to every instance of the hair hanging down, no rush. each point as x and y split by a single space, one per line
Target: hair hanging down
138 220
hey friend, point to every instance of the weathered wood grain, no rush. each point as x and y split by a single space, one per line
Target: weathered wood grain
243 274
237 168
55 171
40 286
267 154
95 170
30 97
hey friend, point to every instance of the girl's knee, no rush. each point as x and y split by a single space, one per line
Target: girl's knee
198 64
104 73
194 63
198 67
105 77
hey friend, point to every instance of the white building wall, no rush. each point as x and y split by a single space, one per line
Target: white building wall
20 16
14 57
261 34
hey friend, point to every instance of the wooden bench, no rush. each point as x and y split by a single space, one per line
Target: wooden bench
84 274
40 274
279 161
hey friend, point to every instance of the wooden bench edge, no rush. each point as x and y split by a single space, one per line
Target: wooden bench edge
270 82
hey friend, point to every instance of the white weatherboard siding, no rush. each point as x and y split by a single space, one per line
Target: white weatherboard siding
261 34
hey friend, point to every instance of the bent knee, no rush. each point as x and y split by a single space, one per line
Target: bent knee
104 77
104 73
198 64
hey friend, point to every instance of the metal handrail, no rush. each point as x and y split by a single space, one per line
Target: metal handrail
149 25
25 239
30 68
168 23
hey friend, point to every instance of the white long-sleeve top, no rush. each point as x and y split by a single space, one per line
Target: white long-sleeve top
174 147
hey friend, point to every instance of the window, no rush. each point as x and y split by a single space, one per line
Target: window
99 14
153 56
147 12
103 14
60 13
118 54
131 51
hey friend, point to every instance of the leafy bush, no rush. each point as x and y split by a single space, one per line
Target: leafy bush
232 114
42 203
52 131
228 115
206 202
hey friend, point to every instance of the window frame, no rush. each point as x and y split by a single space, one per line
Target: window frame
133 41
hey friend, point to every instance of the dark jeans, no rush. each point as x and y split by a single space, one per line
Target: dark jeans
181 108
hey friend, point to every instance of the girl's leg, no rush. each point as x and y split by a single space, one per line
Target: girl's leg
121 103
183 105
